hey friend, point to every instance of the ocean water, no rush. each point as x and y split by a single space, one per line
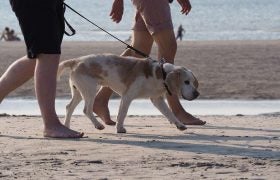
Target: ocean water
145 107
208 20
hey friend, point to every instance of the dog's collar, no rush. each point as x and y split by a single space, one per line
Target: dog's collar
164 75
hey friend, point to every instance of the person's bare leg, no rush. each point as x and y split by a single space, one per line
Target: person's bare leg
45 88
17 74
142 41
167 47
100 105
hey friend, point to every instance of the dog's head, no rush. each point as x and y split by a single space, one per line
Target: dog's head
182 82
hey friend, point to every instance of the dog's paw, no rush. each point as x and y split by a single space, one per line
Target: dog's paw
182 128
67 125
99 127
121 130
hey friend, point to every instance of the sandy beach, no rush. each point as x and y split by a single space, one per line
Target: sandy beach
227 147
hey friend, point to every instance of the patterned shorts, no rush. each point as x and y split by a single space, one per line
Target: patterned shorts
152 15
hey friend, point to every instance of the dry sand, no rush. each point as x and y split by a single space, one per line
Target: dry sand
228 147
236 147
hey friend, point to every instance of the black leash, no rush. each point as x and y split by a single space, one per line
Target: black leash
127 45
162 61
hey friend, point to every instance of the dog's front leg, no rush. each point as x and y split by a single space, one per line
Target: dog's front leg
163 108
125 102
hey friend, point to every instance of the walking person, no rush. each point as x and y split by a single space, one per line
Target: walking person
152 23
42 25
180 32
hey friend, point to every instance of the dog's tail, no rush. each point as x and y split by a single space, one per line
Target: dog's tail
71 63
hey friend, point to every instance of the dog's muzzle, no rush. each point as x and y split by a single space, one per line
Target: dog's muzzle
195 94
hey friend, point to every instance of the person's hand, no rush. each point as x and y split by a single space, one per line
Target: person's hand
186 6
117 11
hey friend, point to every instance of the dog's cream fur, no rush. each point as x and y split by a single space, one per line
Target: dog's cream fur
129 77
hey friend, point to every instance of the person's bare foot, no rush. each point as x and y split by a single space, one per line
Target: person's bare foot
60 131
189 119
101 110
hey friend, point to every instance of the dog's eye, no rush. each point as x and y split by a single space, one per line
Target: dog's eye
187 82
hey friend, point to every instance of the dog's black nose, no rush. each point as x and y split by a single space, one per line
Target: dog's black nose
195 94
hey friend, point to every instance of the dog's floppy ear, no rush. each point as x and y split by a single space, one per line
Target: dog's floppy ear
173 81
195 83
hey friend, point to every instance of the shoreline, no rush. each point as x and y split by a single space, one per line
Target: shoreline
143 107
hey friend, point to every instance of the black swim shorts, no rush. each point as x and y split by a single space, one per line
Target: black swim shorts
42 25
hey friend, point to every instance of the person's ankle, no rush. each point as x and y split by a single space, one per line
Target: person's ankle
52 124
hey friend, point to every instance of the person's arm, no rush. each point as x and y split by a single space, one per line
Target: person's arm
117 11
186 6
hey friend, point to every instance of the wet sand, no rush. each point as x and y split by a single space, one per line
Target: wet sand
225 69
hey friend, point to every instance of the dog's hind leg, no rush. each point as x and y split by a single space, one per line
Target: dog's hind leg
88 89
125 102
88 112
163 108
76 99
